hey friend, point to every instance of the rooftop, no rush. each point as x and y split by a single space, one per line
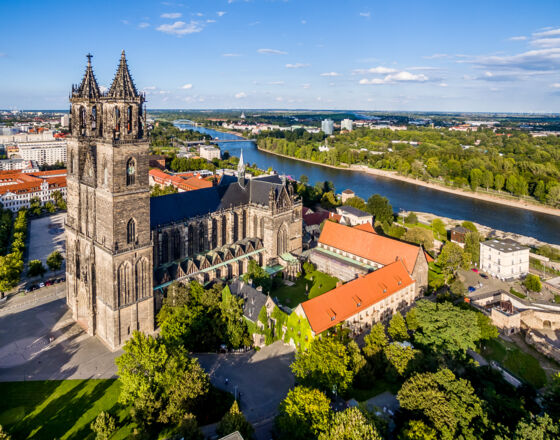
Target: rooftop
345 209
506 245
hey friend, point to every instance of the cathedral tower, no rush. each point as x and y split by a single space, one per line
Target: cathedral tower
109 251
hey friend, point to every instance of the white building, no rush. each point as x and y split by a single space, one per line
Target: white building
346 124
18 164
45 153
353 216
327 126
65 120
209 152
504 259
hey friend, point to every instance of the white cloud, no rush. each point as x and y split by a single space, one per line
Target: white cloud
296 65
279 99
518 38
187 86
402 76
180 28
306 86
546 42
199 14
547 33
149 88
365 14
541 59
143 25
555 86
272 52
276 83
171 15
210 21
435 56
221 13
372 81
240 95
378 69
442 84
331 74
231 55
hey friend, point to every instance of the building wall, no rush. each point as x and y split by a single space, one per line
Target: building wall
504 265
334 267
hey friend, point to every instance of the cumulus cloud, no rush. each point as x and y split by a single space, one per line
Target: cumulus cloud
547 33
365 14
555 86
187 86
378 69
546 42
296 65
171 15
331 74
143 25
402 76
540 59
240 95
518 38
272 52
180 28
372 81
221 13
435 56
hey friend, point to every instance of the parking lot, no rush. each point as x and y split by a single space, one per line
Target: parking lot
46 234
482 285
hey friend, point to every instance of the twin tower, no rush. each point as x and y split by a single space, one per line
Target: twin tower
109 272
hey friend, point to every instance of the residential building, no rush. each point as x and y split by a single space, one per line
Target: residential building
360 303
18 164
209 152
65 121
458 235
347 252
44 152
327 126
182 181
346 124
18 188
504 259
353 216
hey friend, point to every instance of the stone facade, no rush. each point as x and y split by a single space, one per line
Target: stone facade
109 250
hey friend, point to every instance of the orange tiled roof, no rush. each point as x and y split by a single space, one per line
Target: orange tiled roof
327 310
49 173
366 227
382 250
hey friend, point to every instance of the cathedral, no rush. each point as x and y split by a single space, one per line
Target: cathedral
124 248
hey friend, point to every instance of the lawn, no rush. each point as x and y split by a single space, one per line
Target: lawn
315 283
512 358
64 409
61 409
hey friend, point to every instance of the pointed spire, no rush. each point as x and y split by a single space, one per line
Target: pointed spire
241 164
88 88
123 86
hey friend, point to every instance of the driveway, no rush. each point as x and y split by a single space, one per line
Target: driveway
488 285
262 377
44 343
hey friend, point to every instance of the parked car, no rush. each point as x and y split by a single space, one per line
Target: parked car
483 275
41 285
472 289
475 270
48 283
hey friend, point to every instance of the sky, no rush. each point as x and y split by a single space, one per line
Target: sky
477 56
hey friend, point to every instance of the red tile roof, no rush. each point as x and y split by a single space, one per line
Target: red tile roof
337 305
315 218
374 247
366 227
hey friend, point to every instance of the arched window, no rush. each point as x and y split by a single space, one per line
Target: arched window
224 230
201 240
190 238
164 248
282 241
94 117
176 244
131 171
131 231
71 163
255 226
82 120
244 226
77 266
129 119
141 279
235 227
214 233
117 119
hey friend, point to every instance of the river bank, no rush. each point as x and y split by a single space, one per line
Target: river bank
516 203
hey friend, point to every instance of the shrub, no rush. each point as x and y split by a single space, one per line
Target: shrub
104 426
533 283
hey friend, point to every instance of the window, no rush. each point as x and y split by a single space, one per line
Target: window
131 172
129 119
117 119
94 117
131 231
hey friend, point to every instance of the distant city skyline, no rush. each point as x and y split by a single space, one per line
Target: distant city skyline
286 54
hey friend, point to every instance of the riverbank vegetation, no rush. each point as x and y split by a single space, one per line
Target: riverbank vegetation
505 162
163 133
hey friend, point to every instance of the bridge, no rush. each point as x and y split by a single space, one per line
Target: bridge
217 140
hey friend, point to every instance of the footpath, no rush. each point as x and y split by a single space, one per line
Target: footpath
22 301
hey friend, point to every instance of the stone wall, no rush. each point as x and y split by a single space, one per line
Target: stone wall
543 346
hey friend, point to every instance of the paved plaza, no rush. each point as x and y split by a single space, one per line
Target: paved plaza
46 235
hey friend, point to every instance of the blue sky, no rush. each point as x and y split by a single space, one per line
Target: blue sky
317 54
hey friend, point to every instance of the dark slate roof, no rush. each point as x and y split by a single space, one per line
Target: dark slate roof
507 245
354 211
253 300
178 207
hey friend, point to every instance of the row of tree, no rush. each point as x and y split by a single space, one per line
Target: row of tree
11 264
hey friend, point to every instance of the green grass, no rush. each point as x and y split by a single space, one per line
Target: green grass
61 409
516 293
513 359
317 283
557 299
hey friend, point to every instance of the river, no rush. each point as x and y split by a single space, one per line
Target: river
402 195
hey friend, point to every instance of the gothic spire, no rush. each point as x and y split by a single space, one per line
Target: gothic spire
88 88
122 86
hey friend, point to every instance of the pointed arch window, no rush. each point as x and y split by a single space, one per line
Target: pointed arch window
94 117
129 119
117 119
131 231
82 120
131 171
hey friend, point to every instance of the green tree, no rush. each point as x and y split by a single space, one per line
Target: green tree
450 257
11 267
439 228
418 430
469 225
36 269
553 196
304 414
49 207
537 428
552 397
304 179
35 206
258 276
234 420
328 200
499 181
446 328
104 426
411 218
400 357
54 261
457 287
419 235
4 435
380 207
449 404
325 365
487 329
375 340
533 283
472 246
397 328
487 179
232 314
356 202
412 319
350 424
475 178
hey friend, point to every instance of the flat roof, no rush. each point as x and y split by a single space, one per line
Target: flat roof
506 245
